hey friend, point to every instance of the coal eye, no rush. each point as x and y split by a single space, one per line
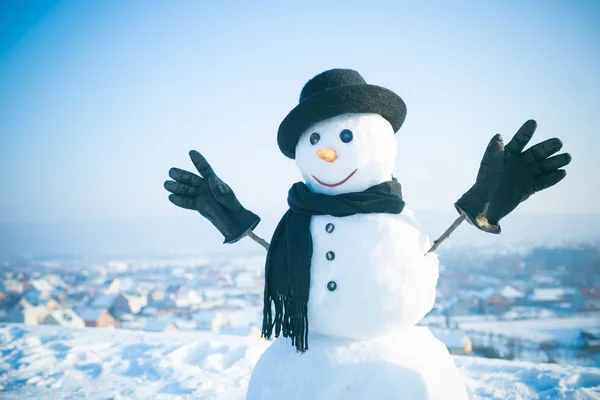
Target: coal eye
346 136
314 138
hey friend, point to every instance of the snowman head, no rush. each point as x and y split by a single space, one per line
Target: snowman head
347 153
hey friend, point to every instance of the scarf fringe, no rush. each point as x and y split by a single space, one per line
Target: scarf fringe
291 320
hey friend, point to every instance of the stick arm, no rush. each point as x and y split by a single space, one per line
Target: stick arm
433 248
446 234
259 240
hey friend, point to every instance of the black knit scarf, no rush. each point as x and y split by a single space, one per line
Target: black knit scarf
287 269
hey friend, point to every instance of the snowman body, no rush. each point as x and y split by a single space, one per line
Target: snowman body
411 364
370 283
369 275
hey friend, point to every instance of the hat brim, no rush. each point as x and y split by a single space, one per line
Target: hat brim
333 102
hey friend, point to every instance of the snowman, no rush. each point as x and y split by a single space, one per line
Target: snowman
349 271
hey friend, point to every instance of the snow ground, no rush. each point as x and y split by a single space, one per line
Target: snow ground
60 363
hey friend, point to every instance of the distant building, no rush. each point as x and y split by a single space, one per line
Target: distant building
185 297
98 317
247 280
4 293
106 301
161 324
156 295
460 305
50 304
564 300
496 304
60 293
591 339
172 289
493 302
591 298
112 286
33 295
79 295
238 322
125 303
57 282
25 313
161 300
149 311
13 286
206 321
41 285
120 303
524 312
512 294
38 290
66 317
134 325
548 296
186 324
457 341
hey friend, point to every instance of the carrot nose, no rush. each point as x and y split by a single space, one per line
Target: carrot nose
328 155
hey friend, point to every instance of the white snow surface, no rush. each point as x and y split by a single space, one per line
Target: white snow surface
49 362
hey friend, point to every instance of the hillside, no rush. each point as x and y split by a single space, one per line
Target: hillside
59 363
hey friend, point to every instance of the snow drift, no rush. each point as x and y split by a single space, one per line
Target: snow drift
59 363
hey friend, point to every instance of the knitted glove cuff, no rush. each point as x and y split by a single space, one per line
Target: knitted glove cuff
474 207
245 221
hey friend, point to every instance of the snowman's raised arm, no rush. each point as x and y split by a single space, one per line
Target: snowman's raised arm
213 199
508 176
446 234
259 240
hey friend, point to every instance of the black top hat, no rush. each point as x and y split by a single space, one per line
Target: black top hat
335 92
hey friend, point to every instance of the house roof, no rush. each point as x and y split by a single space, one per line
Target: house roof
67 317
149 310
90 313
189 325
41 285
57 281
550 294
134 325
105 301
133 296
13 285
26 308
23 303
204 316
487 293
595 332
158 324
590 293
511 293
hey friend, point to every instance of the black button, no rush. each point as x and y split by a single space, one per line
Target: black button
329 228
330 255
331 286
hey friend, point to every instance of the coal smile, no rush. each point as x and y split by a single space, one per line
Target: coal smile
336 184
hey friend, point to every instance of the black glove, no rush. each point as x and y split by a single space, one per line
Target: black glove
212 198
507 177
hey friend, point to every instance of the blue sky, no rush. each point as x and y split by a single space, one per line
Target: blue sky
99 99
